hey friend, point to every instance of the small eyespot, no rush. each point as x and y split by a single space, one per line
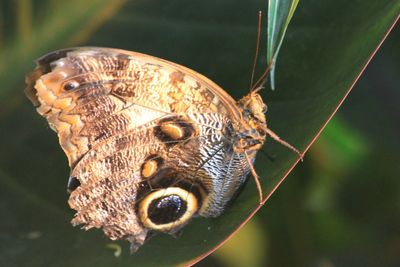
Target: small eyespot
174 129
151 166
71 85
73 183
166 209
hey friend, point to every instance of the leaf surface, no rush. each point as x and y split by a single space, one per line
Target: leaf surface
326 48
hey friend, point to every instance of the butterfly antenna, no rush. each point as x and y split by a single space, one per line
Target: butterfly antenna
262 78
257 49
256 178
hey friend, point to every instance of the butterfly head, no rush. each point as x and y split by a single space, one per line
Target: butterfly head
253 107
252 134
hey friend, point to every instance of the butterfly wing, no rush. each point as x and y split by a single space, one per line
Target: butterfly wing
149 142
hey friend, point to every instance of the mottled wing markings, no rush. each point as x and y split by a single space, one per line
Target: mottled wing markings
87 200
97 107
109 106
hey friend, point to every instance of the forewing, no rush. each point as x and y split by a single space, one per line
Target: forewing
82 91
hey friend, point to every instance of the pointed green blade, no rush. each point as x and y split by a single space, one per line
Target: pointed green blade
280 12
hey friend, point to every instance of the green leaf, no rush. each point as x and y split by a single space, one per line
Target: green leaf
280 12
323 54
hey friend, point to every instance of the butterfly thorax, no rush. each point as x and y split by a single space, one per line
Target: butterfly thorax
251 133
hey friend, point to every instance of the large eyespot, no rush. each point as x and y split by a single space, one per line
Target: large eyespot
166 209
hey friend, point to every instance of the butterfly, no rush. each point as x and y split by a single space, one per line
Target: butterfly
151 144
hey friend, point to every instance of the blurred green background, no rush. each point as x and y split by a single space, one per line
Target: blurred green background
340 207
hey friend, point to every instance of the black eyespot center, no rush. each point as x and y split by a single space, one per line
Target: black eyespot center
167 209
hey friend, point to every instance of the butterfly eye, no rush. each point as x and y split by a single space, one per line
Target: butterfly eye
166 209
265 108
71 85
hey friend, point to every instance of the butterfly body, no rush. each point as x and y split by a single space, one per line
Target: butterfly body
150 143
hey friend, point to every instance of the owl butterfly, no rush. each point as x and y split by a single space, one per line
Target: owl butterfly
151 144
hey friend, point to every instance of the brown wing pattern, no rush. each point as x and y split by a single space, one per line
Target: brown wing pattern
112 182
134 128
84 92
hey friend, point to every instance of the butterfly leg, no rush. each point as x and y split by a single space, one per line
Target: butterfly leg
282 142
256 178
